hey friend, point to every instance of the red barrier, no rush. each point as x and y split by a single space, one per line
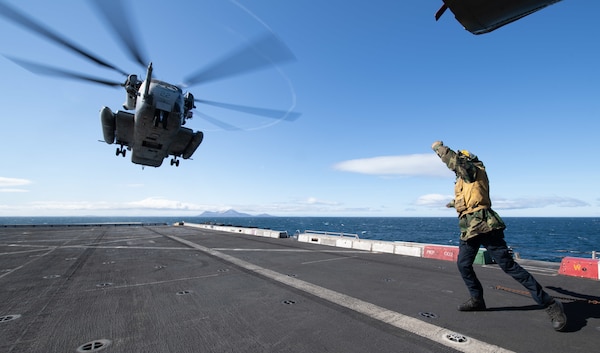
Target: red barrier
448 253
578 267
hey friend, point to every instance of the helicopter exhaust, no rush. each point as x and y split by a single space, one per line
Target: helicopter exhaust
148 80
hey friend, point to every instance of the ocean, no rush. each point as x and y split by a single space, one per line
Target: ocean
533 238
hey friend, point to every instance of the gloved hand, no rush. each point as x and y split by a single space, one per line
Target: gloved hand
436 144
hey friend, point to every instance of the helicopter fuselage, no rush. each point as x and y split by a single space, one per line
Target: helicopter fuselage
154 131
157 120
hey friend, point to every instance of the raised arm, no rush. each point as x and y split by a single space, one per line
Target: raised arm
462 166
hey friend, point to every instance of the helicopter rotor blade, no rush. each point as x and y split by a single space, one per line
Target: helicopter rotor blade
23 20
218 122
268 113
114 14
53 71
261 52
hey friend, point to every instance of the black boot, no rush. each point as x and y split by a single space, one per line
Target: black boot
473 304
557 315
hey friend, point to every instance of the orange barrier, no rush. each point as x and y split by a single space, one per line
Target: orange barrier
579 267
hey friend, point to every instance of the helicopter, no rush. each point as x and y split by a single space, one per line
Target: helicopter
479 17
151 122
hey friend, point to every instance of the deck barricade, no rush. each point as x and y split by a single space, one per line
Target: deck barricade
268 233
440 252
579 267
352 241
570 266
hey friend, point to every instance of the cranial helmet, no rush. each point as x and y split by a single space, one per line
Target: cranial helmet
467 154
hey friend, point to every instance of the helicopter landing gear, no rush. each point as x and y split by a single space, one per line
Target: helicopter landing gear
175 162
121 150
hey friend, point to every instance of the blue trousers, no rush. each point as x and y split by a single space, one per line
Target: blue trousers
496 246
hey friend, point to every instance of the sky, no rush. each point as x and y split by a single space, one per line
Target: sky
376 83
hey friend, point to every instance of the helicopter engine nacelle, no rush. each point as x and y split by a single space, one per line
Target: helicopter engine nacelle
131 86
108 124
188 105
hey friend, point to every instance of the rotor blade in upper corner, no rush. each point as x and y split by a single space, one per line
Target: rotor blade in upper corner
52 71
268 113
19 18
114 13
261 52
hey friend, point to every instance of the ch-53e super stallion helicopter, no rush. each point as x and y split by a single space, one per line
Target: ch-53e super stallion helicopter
484 16
154 131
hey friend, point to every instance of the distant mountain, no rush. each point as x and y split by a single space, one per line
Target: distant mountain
230 213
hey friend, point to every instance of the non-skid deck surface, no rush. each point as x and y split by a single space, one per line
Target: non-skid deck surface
154 288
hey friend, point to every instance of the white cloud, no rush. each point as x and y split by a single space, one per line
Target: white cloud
12 184
164 204
314 201
433 200
310 206
94 207
438 200
408 165
13 190
537 202
69 206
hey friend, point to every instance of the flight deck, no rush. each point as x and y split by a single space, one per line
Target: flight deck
163 288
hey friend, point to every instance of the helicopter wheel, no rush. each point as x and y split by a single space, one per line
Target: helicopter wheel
121 151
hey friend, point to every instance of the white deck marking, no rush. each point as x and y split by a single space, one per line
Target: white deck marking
150 283
295 250
27 263
403 322
327 260
46 248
